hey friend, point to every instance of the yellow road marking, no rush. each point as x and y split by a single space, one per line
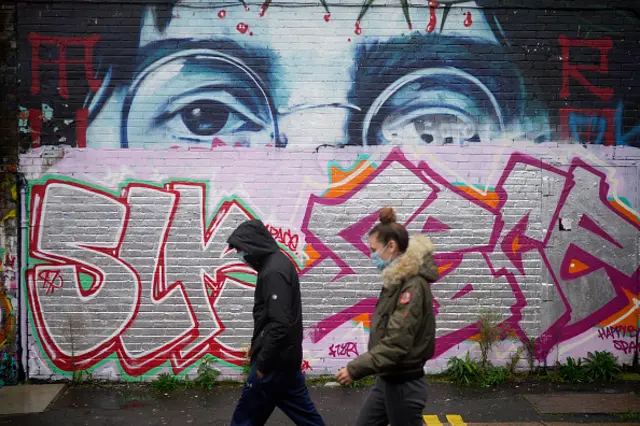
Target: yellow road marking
455 420
432 420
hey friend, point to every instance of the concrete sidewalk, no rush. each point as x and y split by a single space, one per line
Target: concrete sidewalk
138 405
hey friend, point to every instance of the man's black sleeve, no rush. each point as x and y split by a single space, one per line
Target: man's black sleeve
277 294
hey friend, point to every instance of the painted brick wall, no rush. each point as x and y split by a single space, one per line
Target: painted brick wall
507 133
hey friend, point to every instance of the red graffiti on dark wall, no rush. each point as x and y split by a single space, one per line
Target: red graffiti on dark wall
574 71
62 43
82 116
35 120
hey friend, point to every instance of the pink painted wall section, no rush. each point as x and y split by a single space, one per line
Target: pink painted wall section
117 240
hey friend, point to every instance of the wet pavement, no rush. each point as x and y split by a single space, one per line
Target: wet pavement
135 404
28 398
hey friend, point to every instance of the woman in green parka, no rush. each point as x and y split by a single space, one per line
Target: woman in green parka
403 327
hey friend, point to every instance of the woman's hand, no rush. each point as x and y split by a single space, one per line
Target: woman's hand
343 377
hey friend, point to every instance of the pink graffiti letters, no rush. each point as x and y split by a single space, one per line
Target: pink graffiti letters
618 332
504 244
626 347
346 350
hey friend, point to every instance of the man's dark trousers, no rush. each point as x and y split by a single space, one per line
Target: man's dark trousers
283 389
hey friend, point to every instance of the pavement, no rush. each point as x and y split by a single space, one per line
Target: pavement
523 404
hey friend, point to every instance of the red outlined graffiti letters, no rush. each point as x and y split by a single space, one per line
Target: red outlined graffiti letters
88 43
574 71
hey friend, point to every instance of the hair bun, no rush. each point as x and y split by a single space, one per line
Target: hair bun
387 215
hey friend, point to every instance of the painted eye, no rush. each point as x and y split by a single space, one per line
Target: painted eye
197 96
431 126
434 106
208 117
205 118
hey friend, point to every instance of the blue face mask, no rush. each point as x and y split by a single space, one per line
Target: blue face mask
378 261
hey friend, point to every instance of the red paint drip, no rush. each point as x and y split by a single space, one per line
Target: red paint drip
468 21
82 116
263 8
217 142
410 26
432 16
349 40
242 28
247 8
327 17
251 34
222 14
358 30
35 123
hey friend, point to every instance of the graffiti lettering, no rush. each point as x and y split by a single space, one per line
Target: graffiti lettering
626 347
289 239
51 280
88 43
589 126
595 126
575 71
99 272
501 244
345 349
617 332
305 366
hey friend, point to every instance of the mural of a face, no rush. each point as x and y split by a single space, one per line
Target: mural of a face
349 75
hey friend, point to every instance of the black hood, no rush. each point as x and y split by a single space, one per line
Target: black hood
253 238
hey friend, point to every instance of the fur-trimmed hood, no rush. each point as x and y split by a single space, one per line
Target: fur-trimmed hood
418 259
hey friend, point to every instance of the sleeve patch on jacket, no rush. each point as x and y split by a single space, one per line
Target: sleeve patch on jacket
405 297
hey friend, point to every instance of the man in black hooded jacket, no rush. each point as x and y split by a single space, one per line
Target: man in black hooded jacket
276 378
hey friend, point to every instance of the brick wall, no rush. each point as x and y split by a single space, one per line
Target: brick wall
507 133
